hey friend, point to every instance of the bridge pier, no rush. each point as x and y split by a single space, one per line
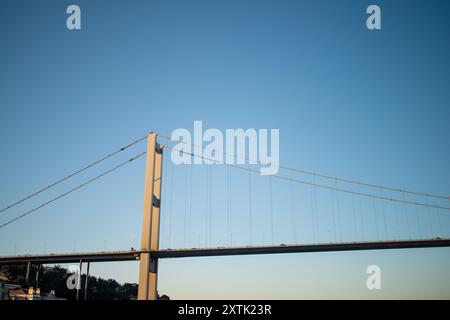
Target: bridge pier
37 276
86 281
79 280
27 277
148 266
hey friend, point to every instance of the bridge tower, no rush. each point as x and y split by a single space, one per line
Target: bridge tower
148 266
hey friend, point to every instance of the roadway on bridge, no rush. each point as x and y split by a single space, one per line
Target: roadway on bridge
133 255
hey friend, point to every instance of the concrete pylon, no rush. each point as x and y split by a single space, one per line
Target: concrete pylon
148 269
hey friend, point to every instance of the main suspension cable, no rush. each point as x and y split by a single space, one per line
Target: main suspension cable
72 174
315 184
324 176
72 190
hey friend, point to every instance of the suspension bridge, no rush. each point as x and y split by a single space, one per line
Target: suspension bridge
323 213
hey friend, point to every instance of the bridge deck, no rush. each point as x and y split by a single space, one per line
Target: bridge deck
71 257
183 253
204 252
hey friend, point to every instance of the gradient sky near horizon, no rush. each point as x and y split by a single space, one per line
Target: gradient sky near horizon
349 102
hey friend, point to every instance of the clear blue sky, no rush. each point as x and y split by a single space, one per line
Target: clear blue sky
368 105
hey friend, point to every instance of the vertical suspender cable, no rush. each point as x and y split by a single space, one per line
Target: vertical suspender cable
271 208
250 206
